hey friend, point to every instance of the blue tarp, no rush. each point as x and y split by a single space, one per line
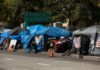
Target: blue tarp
42 30
32 31
35 29
15 37
22 36
3 36
55 32
26 43
25 39
19 36
26 36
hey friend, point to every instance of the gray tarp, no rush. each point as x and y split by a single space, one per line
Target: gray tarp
16 31
92 30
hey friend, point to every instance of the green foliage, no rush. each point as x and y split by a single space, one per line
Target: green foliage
81 13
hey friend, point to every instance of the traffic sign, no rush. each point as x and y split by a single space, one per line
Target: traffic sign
36 17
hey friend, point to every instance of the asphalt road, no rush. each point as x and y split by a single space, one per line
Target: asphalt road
19 62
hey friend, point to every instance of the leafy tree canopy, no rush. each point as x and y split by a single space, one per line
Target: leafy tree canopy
81 13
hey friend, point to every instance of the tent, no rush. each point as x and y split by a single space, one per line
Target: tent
47 31
31 33
27 36
54 32
93 32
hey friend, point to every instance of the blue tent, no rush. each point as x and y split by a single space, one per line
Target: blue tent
26 36
55 32
32 31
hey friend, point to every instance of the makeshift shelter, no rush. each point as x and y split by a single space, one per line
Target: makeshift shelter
31 33
53 32
39 30
26 37
93 32
3 36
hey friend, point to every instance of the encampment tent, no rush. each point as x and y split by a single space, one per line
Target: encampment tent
31 33
93 32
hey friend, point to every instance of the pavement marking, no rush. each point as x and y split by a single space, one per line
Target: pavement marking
61 61
44 64
9 59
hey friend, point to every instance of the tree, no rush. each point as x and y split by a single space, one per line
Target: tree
81 13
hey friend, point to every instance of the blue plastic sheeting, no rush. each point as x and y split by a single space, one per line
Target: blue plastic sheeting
32 31
15 37
42 30
55 32
35 29
3 36
25 39
23 33
22 36
52 32
26 42
18 37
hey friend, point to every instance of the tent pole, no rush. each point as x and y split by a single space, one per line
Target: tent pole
96 35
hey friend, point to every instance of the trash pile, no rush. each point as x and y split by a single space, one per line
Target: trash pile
38 37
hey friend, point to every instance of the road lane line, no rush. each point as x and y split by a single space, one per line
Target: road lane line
44 64
61 61
9 59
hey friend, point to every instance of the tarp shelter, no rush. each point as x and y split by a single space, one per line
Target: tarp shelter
93 32
31 33
42 30
54 32
3 36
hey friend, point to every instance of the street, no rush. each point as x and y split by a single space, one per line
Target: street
19 62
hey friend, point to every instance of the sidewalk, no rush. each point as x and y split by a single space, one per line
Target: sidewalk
88 57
